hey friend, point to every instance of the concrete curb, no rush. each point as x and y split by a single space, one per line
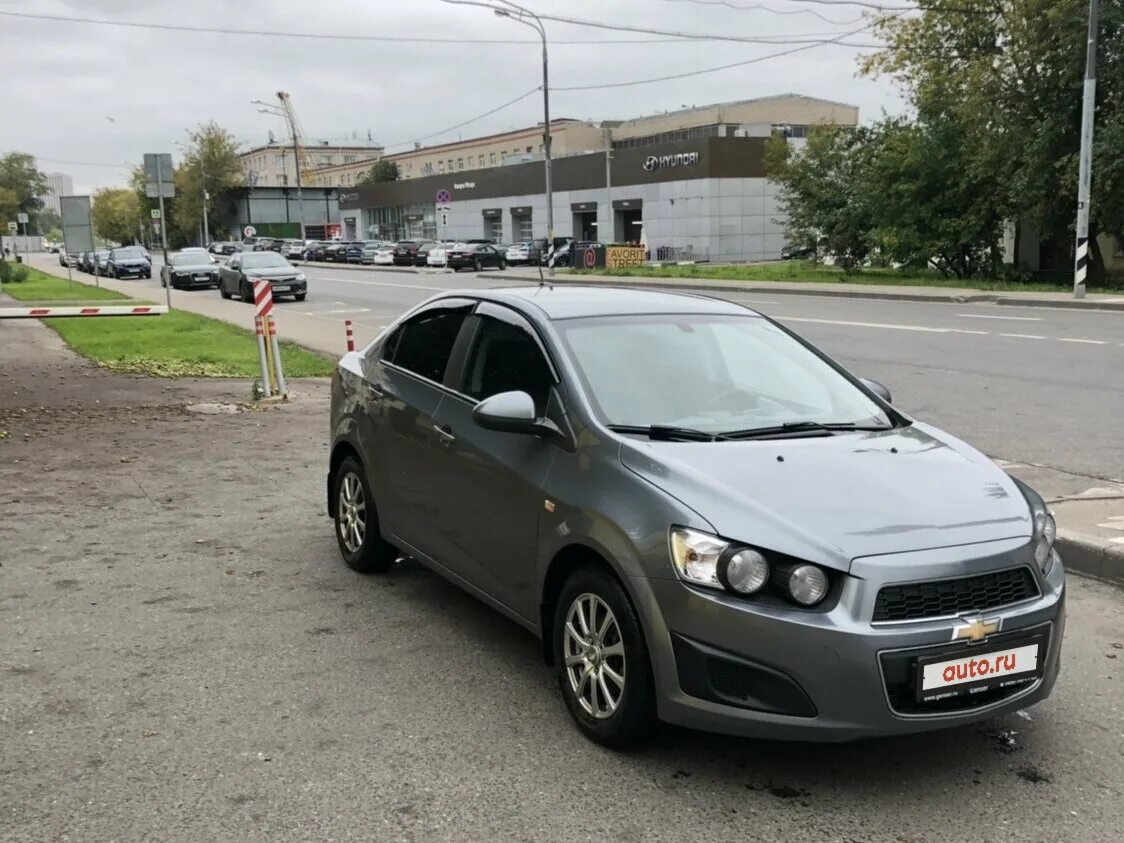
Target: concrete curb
1091 557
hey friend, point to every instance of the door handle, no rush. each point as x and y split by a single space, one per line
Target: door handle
375 390
445 435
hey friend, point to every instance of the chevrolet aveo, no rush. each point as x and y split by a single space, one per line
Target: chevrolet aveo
706 520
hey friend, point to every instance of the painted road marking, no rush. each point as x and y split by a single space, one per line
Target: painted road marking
1008 318
344 310
1024 336
963 331
383 284
887 325
1087 342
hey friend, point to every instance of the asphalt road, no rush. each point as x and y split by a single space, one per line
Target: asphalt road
1025 384
184 657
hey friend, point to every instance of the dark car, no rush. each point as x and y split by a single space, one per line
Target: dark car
476 256
99 262
335 253
704 518
406 251
315 251
353 251
793 252
421 256
82 264
562 251
237 276
189 270
128 262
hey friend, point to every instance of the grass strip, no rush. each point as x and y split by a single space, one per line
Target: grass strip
41 286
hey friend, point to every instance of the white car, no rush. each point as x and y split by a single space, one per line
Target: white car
384 255
437 255
519 252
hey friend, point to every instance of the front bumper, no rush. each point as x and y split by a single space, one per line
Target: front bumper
188 282
294 287
728 665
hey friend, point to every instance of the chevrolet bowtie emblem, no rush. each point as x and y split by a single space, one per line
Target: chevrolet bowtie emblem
976 630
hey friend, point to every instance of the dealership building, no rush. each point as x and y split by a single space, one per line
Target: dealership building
688 185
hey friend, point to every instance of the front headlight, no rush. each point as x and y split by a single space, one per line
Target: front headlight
695 556
300 276
807 584
1045 532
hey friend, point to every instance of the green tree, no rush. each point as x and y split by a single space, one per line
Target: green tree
208 170
823 191
116 214
47 220
1007 75
21 186
383 170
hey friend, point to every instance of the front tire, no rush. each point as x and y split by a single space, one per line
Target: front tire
223 292
503 265
478 266
246 292
357 525
604 672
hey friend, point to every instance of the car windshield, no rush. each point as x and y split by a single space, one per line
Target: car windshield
128 253
260 260
714 373
188 259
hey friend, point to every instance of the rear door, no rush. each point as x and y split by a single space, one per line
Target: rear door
402 392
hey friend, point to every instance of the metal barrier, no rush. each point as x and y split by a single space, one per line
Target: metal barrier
78 310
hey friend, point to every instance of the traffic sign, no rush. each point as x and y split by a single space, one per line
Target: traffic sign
444 198
155 212
12 226
249 231
22 218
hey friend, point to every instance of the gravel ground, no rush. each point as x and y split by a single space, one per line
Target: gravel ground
184 657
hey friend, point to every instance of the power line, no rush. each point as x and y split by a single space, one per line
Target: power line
706 70
695 36
754 7
488 113
327 36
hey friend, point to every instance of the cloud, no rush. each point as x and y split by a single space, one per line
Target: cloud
66 78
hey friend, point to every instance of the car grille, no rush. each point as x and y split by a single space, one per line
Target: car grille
949 598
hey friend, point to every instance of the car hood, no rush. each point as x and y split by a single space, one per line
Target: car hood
271 272
193 267
834 499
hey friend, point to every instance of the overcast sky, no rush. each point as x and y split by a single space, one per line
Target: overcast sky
101 96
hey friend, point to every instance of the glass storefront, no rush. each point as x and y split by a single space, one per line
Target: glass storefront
402 222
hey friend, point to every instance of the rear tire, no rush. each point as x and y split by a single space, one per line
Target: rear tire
614 649
357 526
503 265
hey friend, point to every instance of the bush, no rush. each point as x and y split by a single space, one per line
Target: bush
12 272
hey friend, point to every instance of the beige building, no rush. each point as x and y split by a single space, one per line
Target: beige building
790 113
274 165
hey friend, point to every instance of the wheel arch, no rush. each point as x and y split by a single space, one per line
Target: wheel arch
564 562
340 452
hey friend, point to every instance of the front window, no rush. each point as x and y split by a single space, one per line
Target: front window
714 373
263 260
127 254
506 358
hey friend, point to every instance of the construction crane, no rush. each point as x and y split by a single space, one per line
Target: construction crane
300 153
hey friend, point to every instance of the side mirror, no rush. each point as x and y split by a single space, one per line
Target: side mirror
514 412
878 389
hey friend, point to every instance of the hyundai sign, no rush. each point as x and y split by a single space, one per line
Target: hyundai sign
663 162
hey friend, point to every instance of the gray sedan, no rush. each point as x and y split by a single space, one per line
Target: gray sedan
237 276
189 270
706 520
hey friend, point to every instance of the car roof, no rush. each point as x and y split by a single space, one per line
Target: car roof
576 301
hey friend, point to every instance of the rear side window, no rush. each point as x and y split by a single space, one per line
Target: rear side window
423 344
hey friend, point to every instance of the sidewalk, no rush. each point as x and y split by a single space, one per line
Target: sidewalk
1090 511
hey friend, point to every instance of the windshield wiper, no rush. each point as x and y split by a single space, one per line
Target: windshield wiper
801 427
664 433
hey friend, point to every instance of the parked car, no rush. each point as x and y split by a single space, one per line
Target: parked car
793 252
315 251
236 276
476 256
68 258
438 253
100 261
353 251
367 254
747 539
421 256
84 263
199 252
127 262
384 255
189 269
215 247
521 253
292 249
406 251
335 253
562 251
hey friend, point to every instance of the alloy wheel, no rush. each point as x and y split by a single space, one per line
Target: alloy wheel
351 513
594 656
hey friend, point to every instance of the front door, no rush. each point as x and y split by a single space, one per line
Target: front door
492 483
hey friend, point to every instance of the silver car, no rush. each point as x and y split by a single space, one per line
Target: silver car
706 520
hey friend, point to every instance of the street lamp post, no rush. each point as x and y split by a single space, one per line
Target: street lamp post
528 18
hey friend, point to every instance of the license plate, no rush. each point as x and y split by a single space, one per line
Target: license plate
281 288
202 277
973 672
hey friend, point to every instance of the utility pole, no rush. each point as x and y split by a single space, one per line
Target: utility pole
163 229
1081 262
612 218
